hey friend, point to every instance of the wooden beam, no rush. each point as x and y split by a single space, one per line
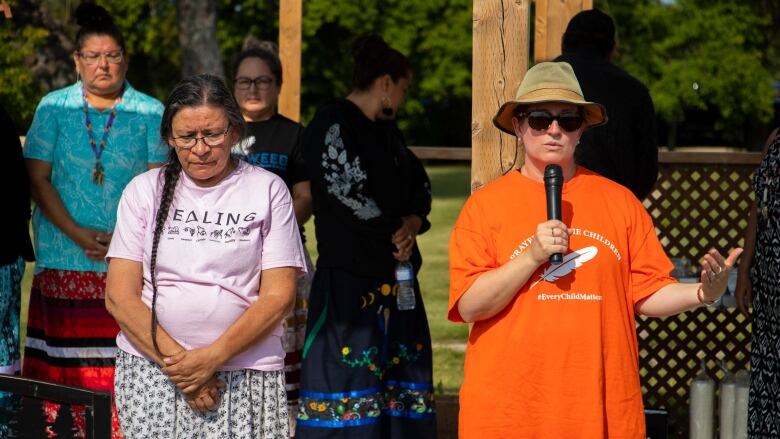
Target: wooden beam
499 61
441 153
552 17
290 17
721 158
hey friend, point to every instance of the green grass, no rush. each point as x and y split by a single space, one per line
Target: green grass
447 369
450 185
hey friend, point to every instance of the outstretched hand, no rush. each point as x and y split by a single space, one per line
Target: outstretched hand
715 273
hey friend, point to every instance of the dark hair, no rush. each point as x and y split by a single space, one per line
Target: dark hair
591 29
191 92
263 52
373 59
95 20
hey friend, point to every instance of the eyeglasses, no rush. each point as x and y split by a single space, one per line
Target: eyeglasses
261 82
211 140
541 120
92 58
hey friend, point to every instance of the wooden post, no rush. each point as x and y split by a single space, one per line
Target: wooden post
499 61
552 17
290 17
6 10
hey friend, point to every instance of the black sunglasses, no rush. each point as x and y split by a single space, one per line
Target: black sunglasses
541 120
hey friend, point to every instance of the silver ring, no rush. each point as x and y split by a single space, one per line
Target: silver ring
720 270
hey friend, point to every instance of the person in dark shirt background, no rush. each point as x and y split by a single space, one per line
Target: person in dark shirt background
367 365
623 150
16 249
273 142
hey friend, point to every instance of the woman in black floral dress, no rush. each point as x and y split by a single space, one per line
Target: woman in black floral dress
366 364
759 285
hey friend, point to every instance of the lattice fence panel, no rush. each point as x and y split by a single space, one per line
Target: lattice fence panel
695 206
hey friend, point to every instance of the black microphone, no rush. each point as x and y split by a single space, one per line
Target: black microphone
553 182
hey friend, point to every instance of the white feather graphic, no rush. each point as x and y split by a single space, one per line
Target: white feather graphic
570 262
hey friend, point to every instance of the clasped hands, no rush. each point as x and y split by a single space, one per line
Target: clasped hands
193 372
94 243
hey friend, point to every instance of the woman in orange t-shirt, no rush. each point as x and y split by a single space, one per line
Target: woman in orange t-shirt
553 350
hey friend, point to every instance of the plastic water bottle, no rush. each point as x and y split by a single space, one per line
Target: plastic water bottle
404 278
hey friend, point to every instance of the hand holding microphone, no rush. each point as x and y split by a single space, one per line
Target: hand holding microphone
553 183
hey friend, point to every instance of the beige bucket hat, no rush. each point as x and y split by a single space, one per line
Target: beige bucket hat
550 82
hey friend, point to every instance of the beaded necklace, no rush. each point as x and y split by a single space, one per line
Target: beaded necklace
97 172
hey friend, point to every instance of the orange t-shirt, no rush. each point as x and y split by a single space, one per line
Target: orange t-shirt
560 360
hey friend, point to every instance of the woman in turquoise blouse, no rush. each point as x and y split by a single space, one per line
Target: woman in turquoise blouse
86 142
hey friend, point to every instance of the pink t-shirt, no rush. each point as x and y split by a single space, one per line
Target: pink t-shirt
213 247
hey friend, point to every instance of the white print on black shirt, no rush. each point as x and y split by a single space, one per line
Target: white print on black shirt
243 147
345 179
214 226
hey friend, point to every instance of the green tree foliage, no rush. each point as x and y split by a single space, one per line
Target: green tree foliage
238 19
17 86
42 35
435 35
699 55
729 49
150 32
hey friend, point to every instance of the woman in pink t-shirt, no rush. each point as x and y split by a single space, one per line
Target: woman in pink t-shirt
202 269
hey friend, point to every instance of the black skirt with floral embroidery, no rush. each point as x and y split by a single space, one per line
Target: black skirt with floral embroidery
367 367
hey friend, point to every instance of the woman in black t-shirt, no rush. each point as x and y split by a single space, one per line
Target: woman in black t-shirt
273 142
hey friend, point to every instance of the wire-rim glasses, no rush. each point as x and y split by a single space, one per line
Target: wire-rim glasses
92 58
210 140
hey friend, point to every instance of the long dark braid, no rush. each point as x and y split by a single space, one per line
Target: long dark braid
171 174
191 92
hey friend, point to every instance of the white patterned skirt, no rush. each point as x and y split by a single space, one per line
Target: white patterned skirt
252 404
